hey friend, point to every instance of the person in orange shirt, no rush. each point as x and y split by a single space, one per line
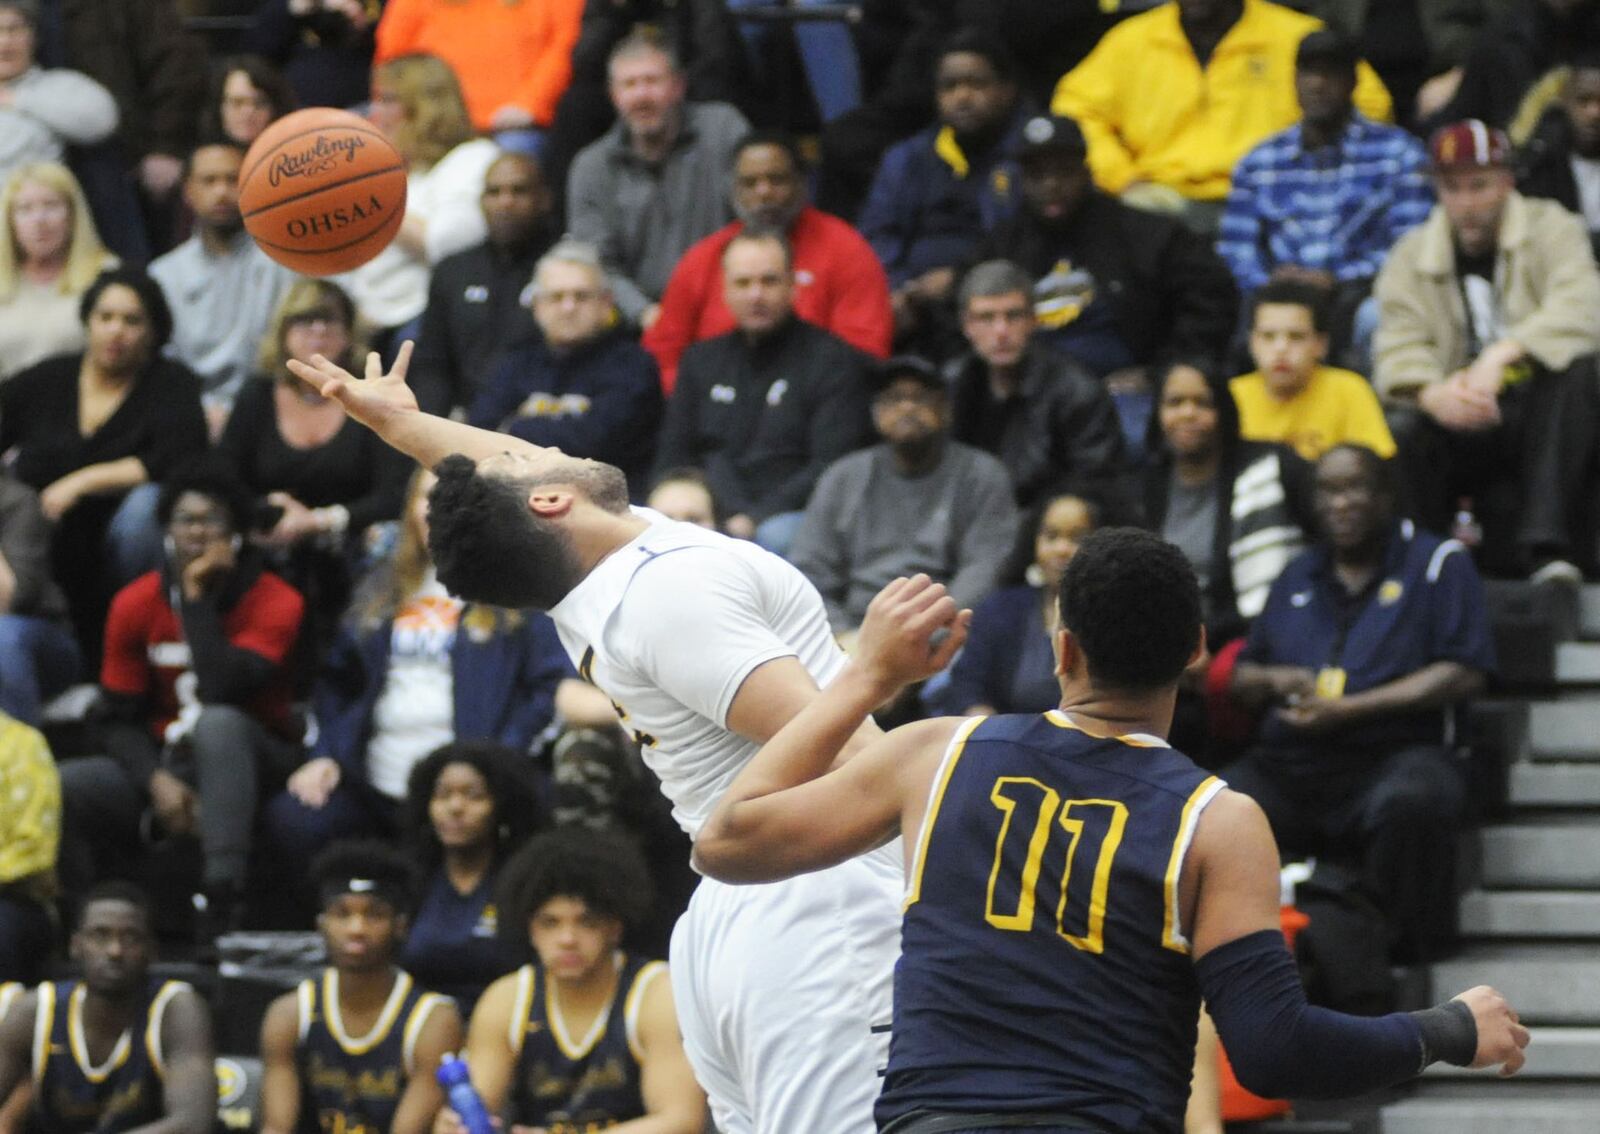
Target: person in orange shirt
514 57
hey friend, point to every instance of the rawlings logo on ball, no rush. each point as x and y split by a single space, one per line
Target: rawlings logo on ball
319 157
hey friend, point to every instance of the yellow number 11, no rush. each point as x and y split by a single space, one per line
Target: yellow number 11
1010 793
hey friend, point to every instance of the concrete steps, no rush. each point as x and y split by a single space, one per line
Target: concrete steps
1555 984
1564 731
1554 1053
1494 1108
1561 785
1555 852
1523 914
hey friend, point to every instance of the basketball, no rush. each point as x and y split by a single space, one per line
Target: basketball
322 191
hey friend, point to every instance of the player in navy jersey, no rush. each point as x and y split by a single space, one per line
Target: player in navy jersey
354 1050
118 1049
1075 885
585 1039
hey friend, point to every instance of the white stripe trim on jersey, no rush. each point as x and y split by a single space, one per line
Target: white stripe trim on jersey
521 1009
631 1006
1446 549
44 1012
80 1044
305 1007
152 1031
379 1029
426 1003
1180 853
9 992
558 1022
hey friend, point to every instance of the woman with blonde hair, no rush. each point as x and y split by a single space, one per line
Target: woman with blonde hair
320 480
416 102
50 256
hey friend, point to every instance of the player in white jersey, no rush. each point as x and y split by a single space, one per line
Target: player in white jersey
707 646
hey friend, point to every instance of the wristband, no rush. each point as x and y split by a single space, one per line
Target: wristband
1449 1033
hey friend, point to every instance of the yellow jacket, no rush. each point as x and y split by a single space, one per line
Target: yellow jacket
1150 113
30 814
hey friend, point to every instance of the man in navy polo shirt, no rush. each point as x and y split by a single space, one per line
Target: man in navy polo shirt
1367 641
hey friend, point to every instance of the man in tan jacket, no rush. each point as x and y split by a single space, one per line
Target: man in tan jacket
1489 324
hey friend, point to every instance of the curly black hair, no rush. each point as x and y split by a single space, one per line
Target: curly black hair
1132 601
519 811
487 546
151 298
602 869
206 476
366 858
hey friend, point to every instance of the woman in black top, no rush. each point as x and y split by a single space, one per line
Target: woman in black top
321 481
94 434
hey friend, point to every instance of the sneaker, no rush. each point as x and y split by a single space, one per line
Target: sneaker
1559 572
1559 586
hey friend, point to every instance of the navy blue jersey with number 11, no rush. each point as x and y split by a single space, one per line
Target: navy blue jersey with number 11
1043 965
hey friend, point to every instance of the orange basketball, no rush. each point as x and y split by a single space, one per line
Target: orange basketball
322 191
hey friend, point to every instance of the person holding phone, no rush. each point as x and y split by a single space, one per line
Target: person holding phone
196 682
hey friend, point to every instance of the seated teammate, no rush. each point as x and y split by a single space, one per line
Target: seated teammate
586 1037
118 1050
355 1051
1076 885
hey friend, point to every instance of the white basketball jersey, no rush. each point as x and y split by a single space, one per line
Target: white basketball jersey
670 625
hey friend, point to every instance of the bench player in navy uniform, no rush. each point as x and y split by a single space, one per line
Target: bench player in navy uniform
585 1039
354 1051
1075 885
117 1050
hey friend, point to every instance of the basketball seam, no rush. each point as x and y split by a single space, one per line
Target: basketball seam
363 128
397 215
324 188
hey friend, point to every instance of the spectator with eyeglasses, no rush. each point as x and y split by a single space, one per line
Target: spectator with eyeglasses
584 386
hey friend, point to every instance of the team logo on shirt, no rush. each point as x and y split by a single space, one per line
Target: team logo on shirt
1389 593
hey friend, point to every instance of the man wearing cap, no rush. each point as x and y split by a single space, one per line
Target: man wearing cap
766 407
915 502
1323 201
1489 321
1171 99
1116 288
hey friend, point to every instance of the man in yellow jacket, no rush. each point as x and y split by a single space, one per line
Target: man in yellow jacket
1169 100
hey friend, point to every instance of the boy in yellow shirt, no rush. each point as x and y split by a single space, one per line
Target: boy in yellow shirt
1291 397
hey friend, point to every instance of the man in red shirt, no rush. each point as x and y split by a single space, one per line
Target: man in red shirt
839 284
197 687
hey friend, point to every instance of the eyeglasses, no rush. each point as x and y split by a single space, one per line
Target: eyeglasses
315 320
918 396
203 520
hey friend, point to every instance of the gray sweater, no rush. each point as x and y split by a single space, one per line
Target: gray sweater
49 111
867 523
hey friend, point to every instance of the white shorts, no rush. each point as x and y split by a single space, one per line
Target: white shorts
785 995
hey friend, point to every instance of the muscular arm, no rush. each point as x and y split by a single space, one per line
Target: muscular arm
280 1080
1433 686
190 1096
778 818
423 1097
489 1055
385 404
16 1043
673 1101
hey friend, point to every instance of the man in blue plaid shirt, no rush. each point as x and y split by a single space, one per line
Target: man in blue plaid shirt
1323 201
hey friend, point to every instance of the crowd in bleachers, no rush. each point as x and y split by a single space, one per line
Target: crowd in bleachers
1309 288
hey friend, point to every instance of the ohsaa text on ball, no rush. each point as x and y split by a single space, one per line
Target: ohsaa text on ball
334 219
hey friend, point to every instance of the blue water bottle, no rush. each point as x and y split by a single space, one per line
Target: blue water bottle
464 1100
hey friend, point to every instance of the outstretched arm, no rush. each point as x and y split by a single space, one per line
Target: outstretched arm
785 813
385 404
190 1095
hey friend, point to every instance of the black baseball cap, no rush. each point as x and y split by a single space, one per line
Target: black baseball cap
912 366
1052 133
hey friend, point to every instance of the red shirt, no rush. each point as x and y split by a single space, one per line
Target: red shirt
146 655
839 286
